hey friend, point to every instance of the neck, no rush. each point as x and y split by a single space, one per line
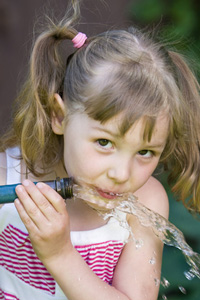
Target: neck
57 171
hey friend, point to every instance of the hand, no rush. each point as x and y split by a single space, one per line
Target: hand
43 212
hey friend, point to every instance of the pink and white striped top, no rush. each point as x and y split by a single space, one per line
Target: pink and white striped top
22 274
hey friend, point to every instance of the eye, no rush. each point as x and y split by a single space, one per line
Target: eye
104 143
145 153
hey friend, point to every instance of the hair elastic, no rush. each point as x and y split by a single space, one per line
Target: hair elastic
79 40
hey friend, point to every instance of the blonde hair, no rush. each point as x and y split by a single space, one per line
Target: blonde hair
115 71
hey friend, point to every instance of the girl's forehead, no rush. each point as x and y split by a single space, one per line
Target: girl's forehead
143 123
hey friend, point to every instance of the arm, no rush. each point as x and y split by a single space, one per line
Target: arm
46 218
138 271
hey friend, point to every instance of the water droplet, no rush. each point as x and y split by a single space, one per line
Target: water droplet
152 261
164 297
165 283
157 281
182 289
139 243
189 275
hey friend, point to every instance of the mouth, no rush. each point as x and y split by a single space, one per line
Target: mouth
108 195
100 199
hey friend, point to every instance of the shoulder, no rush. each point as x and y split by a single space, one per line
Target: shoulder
153 195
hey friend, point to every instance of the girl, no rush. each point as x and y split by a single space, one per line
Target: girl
120 105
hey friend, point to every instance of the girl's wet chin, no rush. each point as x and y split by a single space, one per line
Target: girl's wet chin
101 205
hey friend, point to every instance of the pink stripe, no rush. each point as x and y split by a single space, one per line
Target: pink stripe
17 236
102 271
18 257
102 257
102 245
22 256
102 275
101 268
11 245
7 296
24 266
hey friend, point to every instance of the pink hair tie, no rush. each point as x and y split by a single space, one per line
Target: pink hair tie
79 40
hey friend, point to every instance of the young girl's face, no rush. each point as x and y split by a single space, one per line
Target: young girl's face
97 155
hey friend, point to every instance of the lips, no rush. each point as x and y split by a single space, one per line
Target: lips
107 195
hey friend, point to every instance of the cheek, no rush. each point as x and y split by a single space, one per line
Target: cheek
145 172
151 168
75 160
81 161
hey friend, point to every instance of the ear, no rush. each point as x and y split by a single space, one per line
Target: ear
58 115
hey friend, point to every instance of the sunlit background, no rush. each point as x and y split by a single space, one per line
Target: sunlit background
178 24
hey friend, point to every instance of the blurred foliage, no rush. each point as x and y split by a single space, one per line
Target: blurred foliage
177 20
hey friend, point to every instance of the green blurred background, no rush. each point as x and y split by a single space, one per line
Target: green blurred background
174 264
178 22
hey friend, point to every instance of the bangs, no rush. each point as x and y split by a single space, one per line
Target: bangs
132 93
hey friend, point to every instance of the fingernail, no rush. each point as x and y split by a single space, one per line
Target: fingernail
40 185
19 188
25 182
17 201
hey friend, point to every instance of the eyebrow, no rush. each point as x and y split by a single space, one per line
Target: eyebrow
116 135
160 145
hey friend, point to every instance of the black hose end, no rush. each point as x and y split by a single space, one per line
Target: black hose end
64 187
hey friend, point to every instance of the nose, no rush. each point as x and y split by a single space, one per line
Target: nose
120 171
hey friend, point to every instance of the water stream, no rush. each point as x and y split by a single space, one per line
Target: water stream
168 233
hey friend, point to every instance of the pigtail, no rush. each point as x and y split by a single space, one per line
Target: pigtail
186 156
32 121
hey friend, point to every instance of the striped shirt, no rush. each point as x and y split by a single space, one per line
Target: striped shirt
22 274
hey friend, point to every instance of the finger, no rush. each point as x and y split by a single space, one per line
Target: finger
53 197
28 222
29 205
39 199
